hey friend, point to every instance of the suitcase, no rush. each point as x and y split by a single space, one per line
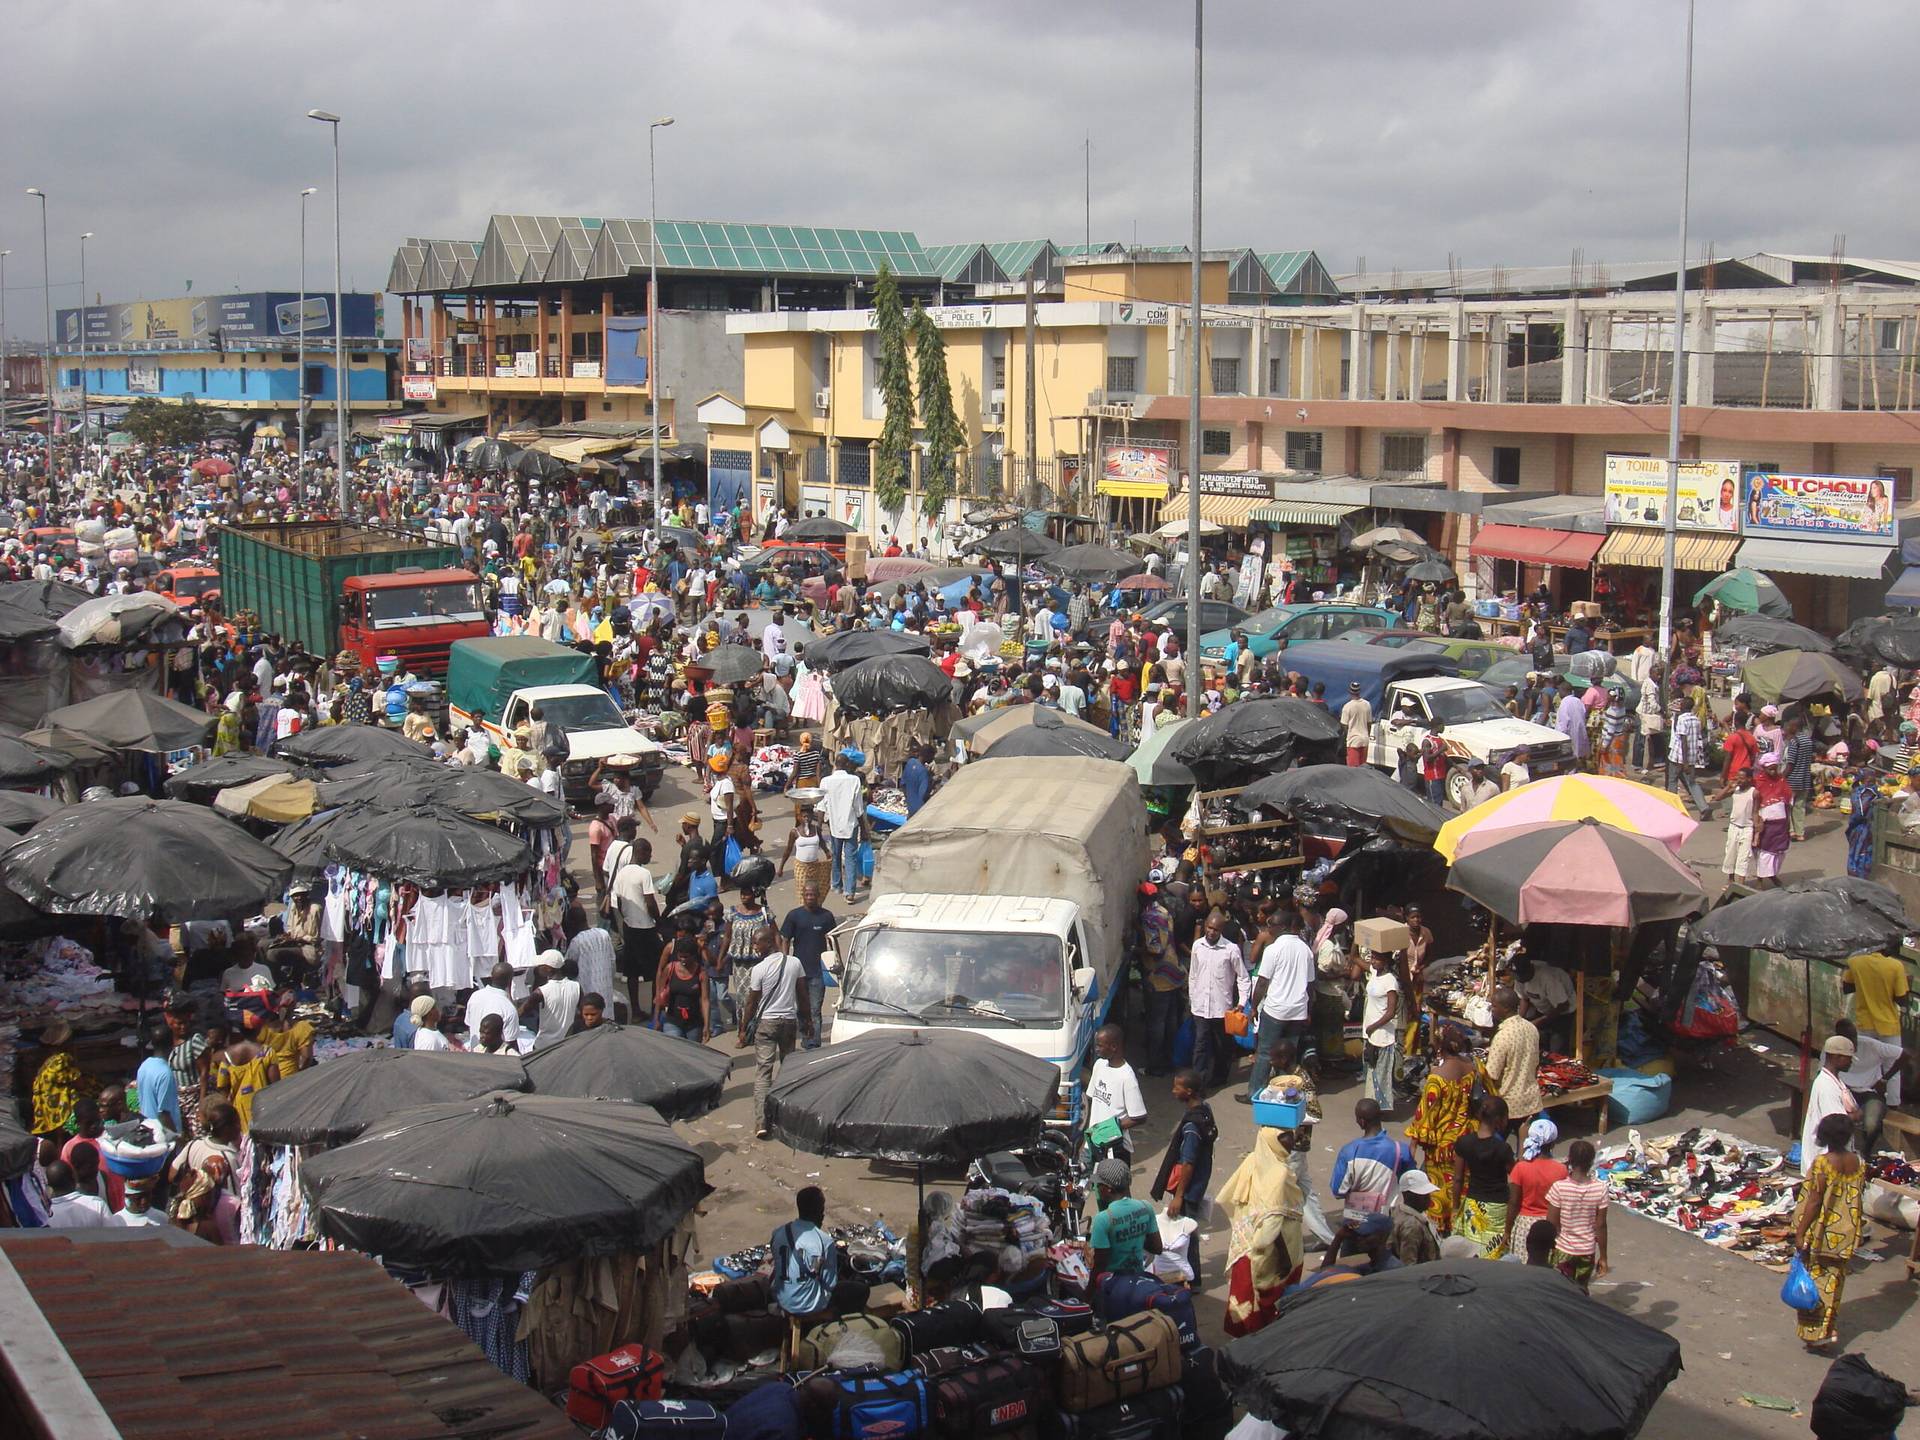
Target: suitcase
816 1347
953 1322
1124 1295
945 1359
1128 1358
1209 1408
1074 1317
876 1405
657 1419
1176 1303
743 1297
1153 1416
595 1386
1021 1332
997 1396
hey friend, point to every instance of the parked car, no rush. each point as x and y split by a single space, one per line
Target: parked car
1214 614
1286 625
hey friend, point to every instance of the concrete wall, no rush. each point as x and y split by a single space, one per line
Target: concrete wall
698 357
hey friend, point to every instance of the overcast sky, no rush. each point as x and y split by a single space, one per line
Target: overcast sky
1400 130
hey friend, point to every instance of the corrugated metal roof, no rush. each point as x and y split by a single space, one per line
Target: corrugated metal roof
1017 257
327 1345
950 262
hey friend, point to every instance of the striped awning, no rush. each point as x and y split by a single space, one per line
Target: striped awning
1692 549
1229 512
574 451
1304 512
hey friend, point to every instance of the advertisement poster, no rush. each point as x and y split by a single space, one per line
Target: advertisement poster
1832 507
1708 492
1246 588
418 387
1136 468
143 377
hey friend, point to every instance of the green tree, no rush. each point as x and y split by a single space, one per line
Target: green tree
890 460
944 435
152 422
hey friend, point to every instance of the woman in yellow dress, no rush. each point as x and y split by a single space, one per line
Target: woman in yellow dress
1827 1229
1443 1115
58 1082
1263 1244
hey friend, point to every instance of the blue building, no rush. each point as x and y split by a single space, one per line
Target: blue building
236 352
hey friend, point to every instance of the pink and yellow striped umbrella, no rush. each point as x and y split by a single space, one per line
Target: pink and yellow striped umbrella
1624 804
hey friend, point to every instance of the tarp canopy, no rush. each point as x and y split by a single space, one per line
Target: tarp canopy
336 1102
427 844
117 619
24 764
133 720
837 652
21 810
203 781
471 791
1036 730
331 745
1255 737
1764 634
1355 795
888 683
1875 640
679 1078
1825 919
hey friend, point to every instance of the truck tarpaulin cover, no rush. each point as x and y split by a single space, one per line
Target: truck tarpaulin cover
1065 828
1255 737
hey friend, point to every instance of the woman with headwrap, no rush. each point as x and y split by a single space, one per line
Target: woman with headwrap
59 1082
1442 1117
1772 832
1263 1246
1528 1182
1333 989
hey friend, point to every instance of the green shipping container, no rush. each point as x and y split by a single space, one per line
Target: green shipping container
483 674
293 575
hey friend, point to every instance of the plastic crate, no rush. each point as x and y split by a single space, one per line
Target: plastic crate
1280 1114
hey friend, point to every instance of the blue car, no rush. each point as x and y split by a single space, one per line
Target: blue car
1285 625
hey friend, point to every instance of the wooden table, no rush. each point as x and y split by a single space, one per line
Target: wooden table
1595 1095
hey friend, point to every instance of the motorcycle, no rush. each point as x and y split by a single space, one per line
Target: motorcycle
1049 1170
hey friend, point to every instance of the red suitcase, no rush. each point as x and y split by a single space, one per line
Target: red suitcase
632 1372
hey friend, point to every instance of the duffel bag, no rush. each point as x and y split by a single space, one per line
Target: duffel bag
1023 1333
1153 1416
633 1372
1074 1317
1121 1295
656 1419
945 1359
994 1397
873 1405
864 1334
743 1297
953 1322
1130 1357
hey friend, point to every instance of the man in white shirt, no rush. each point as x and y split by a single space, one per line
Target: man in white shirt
1356 720
720 800
426 1025
1283 1000
843 803
776 1014
1113 1093
1827 1095
71 1210
636 899
494 998
554 999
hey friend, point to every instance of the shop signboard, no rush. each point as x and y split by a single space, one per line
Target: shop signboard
1134 467
1708 493
526 363
1240 484
418 387
1856 508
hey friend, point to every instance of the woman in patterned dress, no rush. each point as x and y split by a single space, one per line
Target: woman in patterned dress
1443 1115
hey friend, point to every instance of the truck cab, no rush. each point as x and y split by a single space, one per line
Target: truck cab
190 585
595 730
1475 727
413 613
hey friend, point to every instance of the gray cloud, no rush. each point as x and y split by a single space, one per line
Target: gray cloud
1400 131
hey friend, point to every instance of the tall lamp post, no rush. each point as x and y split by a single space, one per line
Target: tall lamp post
46 288
300 379
327 117
85 236
1193 402
6 376
653 319
1677 383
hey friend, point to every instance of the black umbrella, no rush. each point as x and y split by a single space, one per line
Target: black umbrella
1826 919
138 858
1799 675
888 683
1764 634
1255 737
1381 1359
925 1097
538 465
331 745
394 783
1037 730
820 527
304 843
426 844
1092 562
733 664
25 764
1396 552
133 720
336 1102
837 652
1880 639
1434 572
505 1184
21 810
679 1078
483 452
1348 795
1016 542
202 782
48 598
18 623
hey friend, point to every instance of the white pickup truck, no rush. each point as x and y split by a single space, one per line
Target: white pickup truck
1475 727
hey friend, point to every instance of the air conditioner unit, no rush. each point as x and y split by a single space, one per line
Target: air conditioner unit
997 398
996 410
822 399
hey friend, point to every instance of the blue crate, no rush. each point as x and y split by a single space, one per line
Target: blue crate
1279 1113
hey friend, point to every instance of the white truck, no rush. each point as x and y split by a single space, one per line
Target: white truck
1003 907
1475 727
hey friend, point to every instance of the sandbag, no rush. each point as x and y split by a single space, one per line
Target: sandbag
122 538
93 531
1637 1099
1890 1207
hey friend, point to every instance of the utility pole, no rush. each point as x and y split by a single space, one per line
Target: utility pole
46 288
1089 194
85 236
1676 388
1033 427
6 377
653 324
339 324
300 379
1193 401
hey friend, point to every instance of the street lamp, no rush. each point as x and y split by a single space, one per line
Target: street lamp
5 365
653 318
1193 403
300 378
85 236
327 117
1677 382
46 287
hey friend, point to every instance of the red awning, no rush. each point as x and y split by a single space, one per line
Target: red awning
1569 549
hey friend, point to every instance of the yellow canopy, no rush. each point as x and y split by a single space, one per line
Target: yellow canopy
278 799
1626 804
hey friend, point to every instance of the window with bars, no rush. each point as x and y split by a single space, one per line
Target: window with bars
856 465
1276 374
1216 442
1403 454
999 381
1121 374
1225 374
1303 450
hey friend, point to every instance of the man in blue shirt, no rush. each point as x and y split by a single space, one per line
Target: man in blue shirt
916 780
1368 1168
805 930
403 1026
806 1266
159 1092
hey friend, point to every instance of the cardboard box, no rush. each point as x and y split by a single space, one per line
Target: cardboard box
859 547
1382 934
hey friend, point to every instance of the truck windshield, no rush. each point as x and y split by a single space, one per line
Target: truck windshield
957 978
193 586
581 712
1465 705
445 603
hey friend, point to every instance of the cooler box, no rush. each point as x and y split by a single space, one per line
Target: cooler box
1280 1114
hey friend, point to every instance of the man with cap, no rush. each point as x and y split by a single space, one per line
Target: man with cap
554 999
1356 724
1412 1238
1479 788
1125 1231
1827 1095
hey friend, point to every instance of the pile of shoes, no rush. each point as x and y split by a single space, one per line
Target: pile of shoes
1728 1192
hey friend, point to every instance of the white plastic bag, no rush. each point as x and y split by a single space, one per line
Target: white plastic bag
1172 1264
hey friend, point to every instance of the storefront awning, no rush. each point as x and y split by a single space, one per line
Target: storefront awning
1229 512
1133 489
574 451
1533 546
1815 557
1905 591
1304 512
450 421
1647 548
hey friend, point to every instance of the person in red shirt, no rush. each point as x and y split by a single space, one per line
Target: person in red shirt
1741 751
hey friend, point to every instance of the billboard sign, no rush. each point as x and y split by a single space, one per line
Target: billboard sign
315 316
418 387
1138 468
1708 493
265 315
143 377
1830 507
